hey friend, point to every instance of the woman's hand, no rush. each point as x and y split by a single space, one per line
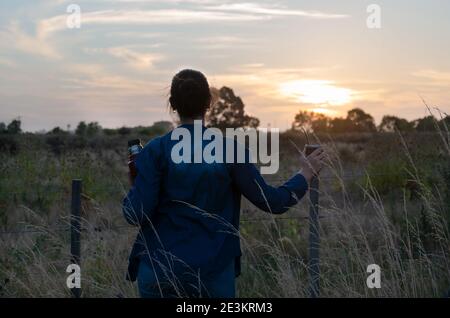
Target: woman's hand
312 164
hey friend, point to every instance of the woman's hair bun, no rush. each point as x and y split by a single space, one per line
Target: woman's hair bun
189 84
189 88
190 94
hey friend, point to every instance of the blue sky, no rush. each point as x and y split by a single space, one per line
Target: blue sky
279 56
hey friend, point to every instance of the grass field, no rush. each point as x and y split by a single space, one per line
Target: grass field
385 199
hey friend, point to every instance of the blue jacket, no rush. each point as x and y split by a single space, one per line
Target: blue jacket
188 213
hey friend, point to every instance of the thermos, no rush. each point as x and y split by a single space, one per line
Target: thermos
310 149
134 148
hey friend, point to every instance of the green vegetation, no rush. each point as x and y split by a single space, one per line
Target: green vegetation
385 199
358 121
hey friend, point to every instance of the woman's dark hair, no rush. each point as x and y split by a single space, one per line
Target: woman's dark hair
189 94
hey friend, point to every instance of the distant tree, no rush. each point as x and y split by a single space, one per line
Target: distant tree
142 130
14 127
303 120
430 123
81 129
2 128
56 142
157 129
123 131
93 129
444 123
361 121
341 125
427 123
163 126
321 123
356 121
228 111
57 131
311 121
251 122
393 123
109 131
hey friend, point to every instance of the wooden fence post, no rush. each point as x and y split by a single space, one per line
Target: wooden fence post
75 229
314 239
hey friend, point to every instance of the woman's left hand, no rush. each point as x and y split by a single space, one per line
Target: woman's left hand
312 164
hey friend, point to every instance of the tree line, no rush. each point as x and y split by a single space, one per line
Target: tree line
357 121
91 129
228 111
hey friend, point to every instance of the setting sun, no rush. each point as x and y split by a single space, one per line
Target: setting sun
319 92
324 111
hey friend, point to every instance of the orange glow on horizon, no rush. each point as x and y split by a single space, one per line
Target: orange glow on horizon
317 92
325 111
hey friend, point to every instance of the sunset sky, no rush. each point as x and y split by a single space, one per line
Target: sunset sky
279 56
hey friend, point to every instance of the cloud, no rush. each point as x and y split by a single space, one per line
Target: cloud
436 76
135 59
168 1
7 62
136 35
264 80
223 42
206 11
95 80
144 17
259 84
318 92
224 5
35 45
256 8
147 1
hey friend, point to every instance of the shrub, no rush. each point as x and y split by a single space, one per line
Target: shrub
56 143
387 176
9 144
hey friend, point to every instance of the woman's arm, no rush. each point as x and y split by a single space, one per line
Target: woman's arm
271 199
275 200
140 203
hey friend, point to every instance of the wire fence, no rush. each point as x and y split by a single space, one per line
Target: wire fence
76 228
131 227
115 188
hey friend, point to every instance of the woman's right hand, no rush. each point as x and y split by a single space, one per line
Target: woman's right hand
312 164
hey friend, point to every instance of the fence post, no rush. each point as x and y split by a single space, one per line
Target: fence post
314 239
75 229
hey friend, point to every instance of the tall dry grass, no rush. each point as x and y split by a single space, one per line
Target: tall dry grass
408 239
